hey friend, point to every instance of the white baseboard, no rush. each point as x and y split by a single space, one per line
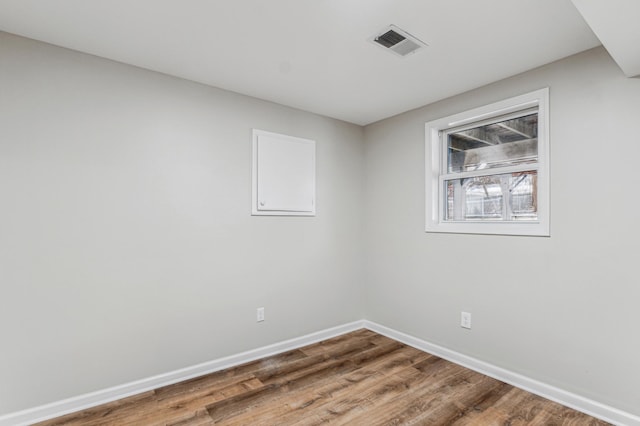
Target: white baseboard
82 402
577 402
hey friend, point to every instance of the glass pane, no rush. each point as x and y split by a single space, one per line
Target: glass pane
505 143
523 194
508 196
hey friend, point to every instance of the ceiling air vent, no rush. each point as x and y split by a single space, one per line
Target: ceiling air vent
398 41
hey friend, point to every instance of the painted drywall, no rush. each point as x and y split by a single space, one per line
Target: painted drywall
127 248
562 309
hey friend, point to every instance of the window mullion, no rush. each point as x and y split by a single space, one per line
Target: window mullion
506 199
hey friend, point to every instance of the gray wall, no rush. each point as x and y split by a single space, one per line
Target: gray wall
563 309
127 248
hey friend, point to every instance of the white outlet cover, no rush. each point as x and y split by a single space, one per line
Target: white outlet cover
465 320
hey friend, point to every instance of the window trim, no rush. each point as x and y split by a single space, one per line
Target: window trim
435 169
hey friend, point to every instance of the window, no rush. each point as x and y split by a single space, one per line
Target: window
487 169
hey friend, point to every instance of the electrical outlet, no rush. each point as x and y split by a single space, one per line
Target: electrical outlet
465 320
260 315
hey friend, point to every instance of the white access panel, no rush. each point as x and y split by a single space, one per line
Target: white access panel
284 175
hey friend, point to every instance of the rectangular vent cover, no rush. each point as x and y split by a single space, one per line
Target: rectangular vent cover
397 41
390 38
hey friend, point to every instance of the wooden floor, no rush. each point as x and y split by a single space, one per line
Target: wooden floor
361 378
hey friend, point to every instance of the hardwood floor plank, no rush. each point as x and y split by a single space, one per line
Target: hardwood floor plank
452 404
424 395
98 415
474 414
342 397
307 377
371 400
200 418
225 377
556 414
340 344
522 406
290 407
193 403
360 378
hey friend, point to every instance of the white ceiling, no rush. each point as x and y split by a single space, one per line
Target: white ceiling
615 22
314 54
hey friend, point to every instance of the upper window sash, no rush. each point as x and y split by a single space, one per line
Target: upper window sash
515 143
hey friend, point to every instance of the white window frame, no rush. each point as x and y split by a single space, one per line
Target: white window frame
436 170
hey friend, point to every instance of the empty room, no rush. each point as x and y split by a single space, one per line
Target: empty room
346 212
